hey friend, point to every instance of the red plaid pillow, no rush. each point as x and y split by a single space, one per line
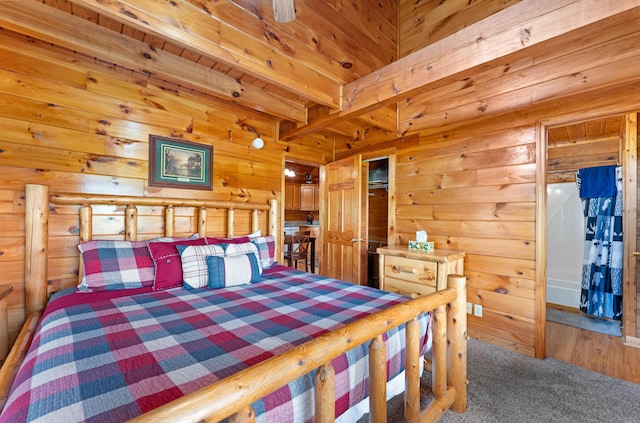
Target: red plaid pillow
230 240
111 265
266 250
168 266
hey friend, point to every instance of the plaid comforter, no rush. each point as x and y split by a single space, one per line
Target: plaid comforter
105 358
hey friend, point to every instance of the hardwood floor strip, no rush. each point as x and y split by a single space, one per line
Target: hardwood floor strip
600 353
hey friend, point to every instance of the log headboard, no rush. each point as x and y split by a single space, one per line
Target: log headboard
160 219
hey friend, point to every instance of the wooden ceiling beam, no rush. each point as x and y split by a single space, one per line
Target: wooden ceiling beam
518 27
513 29
385 118
52 25
196 29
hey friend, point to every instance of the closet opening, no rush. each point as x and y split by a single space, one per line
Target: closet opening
378 215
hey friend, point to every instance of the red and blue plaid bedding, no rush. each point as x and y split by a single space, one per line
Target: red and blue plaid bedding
104 358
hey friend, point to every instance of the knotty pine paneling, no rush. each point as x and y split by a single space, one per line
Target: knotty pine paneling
422 23
472 187
474 190
85 129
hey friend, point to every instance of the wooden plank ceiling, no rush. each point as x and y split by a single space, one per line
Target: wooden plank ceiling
593 130
332 72
232 50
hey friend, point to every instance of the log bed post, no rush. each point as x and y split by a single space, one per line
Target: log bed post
439 352
36 213
255 222
202 221
231 221
86 223
377 380
457 341
131 223
86 231
246 415
169 221
325 393
412 371
273 227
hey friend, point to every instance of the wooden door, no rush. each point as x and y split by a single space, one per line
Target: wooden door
345 243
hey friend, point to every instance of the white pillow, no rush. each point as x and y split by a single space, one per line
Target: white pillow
244 248
194 263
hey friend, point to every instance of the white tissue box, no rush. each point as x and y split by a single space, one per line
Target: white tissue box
426 247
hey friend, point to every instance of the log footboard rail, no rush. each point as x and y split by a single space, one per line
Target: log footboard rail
233 396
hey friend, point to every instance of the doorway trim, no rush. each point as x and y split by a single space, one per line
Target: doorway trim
540 292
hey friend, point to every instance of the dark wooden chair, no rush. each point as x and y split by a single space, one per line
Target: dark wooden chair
298 250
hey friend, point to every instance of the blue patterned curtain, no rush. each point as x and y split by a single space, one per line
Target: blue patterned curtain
602 265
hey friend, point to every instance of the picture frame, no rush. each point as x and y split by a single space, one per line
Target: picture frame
177 163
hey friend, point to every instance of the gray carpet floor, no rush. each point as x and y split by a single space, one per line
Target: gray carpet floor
507 387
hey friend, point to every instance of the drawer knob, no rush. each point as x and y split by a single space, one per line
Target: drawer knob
403 269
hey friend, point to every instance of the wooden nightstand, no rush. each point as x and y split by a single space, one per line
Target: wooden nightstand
414 273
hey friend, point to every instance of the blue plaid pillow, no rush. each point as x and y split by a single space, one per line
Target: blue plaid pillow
111 265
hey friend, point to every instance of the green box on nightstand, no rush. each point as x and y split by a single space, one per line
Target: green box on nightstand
427 247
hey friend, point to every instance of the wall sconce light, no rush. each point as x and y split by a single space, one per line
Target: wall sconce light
289 172
257 143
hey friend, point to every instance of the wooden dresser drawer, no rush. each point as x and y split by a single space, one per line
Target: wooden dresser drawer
410 270
415 273
408 289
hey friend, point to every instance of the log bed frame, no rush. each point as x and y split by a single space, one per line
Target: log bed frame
232 397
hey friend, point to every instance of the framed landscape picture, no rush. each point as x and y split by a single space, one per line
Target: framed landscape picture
180 164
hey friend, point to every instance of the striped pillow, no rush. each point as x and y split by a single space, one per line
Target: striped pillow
245 248
232 270
194 263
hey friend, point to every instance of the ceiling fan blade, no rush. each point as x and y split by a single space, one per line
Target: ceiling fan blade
284 10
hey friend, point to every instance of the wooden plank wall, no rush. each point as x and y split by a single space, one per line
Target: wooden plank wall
80 126
423 23
470 181
473 188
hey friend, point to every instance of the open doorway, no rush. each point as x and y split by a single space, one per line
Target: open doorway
302 205
571 148
378 215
